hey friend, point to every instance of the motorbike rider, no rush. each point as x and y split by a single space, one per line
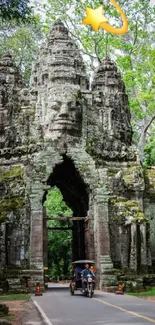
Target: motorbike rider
84 274
92 268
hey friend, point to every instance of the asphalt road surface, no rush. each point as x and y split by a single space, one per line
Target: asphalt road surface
60 308
53 286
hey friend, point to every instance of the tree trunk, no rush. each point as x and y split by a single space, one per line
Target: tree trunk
143 137
141 145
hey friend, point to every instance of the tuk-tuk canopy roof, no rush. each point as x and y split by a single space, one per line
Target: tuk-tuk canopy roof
83 262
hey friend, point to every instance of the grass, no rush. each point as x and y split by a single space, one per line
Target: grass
13 297
9 317
149 293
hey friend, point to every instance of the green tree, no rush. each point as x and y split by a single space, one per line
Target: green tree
22 42
149 153
134 59
18 10
59 242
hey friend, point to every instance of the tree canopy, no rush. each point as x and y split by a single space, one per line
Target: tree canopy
22 42
18 10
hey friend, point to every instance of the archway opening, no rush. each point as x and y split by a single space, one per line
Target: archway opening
66 179
59 231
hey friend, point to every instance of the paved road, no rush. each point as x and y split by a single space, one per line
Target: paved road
53 286
104 309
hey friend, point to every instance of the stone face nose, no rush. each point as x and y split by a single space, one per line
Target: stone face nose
63 111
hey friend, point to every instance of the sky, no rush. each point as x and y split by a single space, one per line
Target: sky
42 2
152 2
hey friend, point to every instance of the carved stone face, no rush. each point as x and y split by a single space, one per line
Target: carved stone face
64 113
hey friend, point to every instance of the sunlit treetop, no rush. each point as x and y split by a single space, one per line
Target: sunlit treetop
18 10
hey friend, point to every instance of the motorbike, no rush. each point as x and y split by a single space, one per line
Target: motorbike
76 282
89 286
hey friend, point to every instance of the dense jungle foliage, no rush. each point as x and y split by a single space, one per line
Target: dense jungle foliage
19 10
59 241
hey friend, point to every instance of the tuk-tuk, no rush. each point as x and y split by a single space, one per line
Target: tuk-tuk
76 283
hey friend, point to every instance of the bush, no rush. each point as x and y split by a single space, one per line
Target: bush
4 309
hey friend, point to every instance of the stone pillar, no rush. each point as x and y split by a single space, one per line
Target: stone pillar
45 248
124 242
148 245
36 249
133 251
3 245
89 232
89 242
102 241
143 266
45 238
36 240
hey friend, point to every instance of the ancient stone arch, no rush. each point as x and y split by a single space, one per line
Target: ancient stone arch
59 122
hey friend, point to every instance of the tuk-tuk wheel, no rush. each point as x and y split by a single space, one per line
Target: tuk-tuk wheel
90 294
72 290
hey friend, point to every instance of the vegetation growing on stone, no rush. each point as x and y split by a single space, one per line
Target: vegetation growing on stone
8 205
13 172
13 181
130 172
129 210
112 172
149 176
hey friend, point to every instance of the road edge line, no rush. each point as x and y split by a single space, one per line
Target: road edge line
42 314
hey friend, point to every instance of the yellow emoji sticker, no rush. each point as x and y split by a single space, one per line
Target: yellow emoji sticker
96 18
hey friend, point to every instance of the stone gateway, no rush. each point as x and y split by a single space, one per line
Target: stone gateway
64 132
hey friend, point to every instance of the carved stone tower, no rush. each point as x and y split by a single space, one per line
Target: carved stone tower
60 133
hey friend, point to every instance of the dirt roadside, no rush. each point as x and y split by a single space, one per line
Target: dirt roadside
23 313
149 298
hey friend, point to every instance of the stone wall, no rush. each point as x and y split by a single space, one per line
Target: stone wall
149 207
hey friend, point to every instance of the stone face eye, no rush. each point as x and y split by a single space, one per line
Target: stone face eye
55 107
72 107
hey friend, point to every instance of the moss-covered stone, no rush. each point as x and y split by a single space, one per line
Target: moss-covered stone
149 176
2 217
132 204
130 172
91 143
8 205
13 172
13 181
150 172
11 204
112 172
117 200
127 210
